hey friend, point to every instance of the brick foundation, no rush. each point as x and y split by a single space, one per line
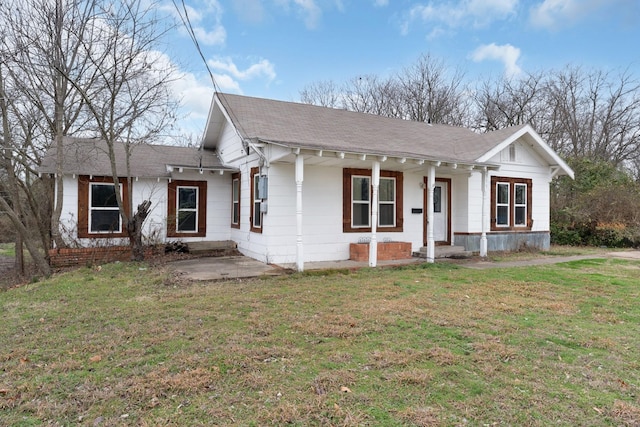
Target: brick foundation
69 257
386 251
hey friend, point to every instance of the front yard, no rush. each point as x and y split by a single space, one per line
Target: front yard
128 344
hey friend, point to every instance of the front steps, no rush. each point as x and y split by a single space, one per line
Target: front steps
213 248
455 252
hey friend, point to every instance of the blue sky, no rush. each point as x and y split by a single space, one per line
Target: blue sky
273 48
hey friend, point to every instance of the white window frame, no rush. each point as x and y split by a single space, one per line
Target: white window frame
195 210
521 205
256 204
392 202
507 204
91 209
360 202
235 201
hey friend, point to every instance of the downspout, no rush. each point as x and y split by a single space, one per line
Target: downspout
373 244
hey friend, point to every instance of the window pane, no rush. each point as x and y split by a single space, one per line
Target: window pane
521 194
187 221
387 189
521 212
361 214
360 188
105 220
236 190
103 196
437 199
187 197
502 215
236 213
386 215
503 193
257 217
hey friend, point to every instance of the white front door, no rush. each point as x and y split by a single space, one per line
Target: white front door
440 214
441 208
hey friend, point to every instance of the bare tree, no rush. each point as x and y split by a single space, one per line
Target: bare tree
509 102
596 114
433 92
324 93
128 100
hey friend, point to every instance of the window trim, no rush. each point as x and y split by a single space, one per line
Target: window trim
386 202
84 206
512 182
235 177
347 174
361 202
172 204
256 229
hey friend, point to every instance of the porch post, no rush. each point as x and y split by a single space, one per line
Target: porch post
431 243
485 213
299 179
373 244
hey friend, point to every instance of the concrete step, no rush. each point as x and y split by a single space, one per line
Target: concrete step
212 247
456 252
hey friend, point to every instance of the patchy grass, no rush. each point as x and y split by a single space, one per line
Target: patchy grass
8 249
424 345
554 251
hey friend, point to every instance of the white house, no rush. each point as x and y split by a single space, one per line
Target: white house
296 183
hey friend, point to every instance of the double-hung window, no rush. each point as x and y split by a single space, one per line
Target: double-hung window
235 200
187 209
511 200
256 203
387 202
98 212
104 214
361 201
358 198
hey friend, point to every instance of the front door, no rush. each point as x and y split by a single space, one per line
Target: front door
441 211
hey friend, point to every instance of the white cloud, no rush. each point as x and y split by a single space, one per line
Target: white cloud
506 54
552 14
381 3
251 11
206 20
477 13
308 9
228 76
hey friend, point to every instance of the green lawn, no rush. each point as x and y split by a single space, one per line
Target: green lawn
427 346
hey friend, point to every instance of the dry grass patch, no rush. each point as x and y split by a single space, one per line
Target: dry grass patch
421 417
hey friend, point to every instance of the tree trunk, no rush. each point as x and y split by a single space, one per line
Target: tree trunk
134 227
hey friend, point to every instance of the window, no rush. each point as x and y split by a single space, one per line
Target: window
235 200
511 203
98 212
105 213
357 197
256 204
187 209
387 202
361 200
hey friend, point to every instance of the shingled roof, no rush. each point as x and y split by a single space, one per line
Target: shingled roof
313 127
83 156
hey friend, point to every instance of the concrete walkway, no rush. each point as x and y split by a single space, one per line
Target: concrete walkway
239 267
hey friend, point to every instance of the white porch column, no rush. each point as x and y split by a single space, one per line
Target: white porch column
373 244
431 243
299 179
485 212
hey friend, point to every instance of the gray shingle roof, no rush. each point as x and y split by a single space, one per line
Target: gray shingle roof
308 126
89 157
